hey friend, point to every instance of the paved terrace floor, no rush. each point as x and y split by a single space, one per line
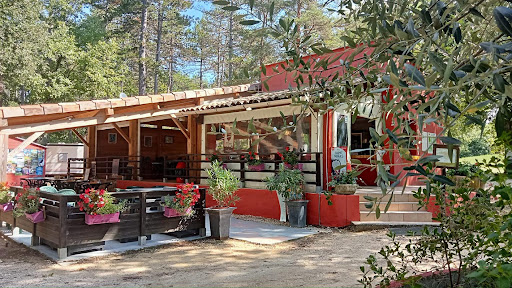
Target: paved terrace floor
251 231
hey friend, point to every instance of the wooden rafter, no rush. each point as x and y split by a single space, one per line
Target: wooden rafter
182 128
25 143
80 137
121 132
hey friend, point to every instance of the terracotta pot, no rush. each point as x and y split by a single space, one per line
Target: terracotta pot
259 167
170 212
345 189
6 207
35 217
102 219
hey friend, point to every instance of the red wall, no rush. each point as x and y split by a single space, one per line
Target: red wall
264 203
281 80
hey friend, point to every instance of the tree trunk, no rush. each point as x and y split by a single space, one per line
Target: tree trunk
142 49
230 46
201 69
158 46
170 84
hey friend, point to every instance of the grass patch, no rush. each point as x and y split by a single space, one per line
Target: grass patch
482 158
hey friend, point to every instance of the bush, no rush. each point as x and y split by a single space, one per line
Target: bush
475 147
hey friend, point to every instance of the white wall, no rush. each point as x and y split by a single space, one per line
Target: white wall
54 166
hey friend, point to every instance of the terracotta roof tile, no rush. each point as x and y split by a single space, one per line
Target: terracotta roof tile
114 103
69 107
102 104
51 108
143 99
200 93
31 110
13 112
190 94
86 105
131 101
209 92
179 95
168 97
156 98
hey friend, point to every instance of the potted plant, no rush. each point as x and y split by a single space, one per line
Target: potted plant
289 183
344 182
6 204
222 187
253 162
181 204
216 158
467 173
290 159
28 202
100 207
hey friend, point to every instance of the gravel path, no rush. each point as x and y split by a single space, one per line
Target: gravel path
331 258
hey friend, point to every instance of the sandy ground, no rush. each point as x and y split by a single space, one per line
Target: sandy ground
331 258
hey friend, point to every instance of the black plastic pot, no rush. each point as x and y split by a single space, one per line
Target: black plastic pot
297 212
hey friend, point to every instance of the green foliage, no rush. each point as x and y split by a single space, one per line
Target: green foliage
475 147
344 177
111 206
222 184
5 194
287 182
466 169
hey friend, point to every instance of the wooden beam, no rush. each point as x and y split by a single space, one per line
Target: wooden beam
182 128
80 137
134 146
24 144
91 139
121 132
4 149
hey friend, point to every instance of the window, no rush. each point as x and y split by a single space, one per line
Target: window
226 142
63 157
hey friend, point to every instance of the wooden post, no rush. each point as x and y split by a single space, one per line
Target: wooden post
4 151
91 140
134 147
142 236
193 147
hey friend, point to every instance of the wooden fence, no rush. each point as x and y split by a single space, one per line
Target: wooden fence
65 230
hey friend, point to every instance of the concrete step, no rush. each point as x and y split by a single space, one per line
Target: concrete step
397 216
359 226
397 196
394 206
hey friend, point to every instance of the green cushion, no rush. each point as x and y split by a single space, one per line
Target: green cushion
49 189
67 192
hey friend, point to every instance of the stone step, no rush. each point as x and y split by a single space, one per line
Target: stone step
394 206
397 216
359 226
397 196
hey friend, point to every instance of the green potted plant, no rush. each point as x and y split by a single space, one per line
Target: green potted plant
28 202
6 204
181 204
289 183
100 207
344 182
223 185
467 173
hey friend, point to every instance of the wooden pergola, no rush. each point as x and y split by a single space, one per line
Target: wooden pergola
32 121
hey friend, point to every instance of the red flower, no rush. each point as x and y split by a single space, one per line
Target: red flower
87 200
91 205
287 148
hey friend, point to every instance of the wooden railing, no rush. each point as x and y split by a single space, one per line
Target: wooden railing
65 230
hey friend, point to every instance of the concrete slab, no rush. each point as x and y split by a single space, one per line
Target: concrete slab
251 231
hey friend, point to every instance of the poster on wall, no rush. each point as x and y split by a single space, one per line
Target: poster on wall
27 162
338 158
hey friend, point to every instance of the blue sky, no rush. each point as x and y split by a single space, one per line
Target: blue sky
196 9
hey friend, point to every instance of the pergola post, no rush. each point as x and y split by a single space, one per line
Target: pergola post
4 150
134 147
193 147
91 141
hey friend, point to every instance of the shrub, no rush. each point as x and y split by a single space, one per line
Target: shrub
475 147
5 194
222 185
287 182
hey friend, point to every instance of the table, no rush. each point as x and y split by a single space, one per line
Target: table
34 182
